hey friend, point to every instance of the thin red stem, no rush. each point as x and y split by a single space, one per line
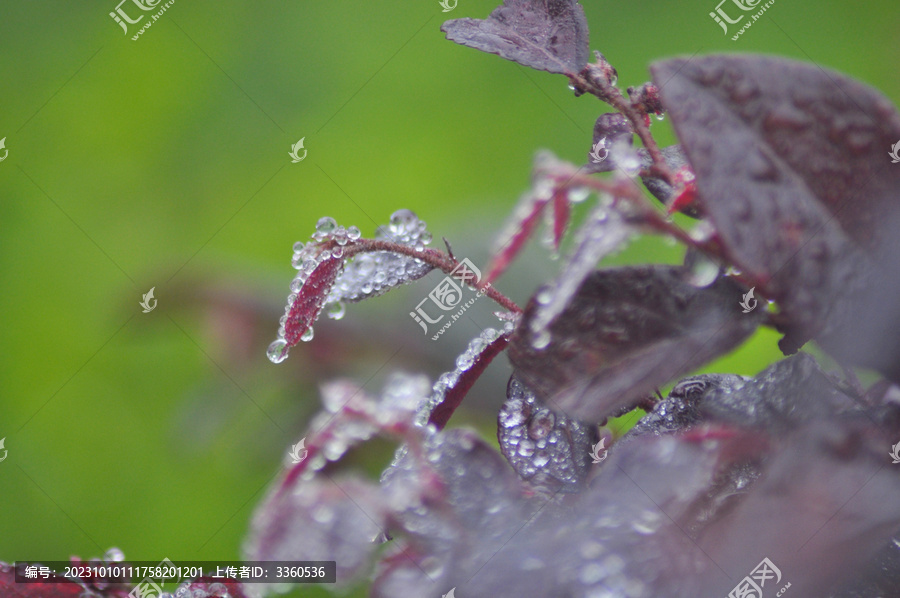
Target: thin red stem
433 257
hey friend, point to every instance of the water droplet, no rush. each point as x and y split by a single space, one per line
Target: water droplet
353 233
308 335
526 448
298 247
703 231
572 86
579 194
464 361
326 225
541 340
278 351
703 271
296 284
336 311
401 221
426 237
661 116
114 555
544 296
613 79
337 252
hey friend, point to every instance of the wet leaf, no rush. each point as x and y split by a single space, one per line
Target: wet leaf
546 448
517 231
450 391
548 35
798 152
476 508
320 519
626 332
371 274
311 299
603 232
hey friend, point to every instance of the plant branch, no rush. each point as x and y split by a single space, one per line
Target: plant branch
433 257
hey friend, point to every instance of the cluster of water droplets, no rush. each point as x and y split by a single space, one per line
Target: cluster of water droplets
603 233
375 273
536 440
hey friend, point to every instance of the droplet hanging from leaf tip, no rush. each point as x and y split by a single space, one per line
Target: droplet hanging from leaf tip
278 351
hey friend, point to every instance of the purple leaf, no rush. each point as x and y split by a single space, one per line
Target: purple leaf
792 169
311 299
474 510
546 448
548 35
371 274
318 520
626 332
450 391
516 233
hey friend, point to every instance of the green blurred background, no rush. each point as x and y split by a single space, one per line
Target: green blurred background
163 162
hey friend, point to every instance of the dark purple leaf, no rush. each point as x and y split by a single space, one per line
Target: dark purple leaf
317 520
787 394
792 168
549 450
626 332
474 511
548 35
